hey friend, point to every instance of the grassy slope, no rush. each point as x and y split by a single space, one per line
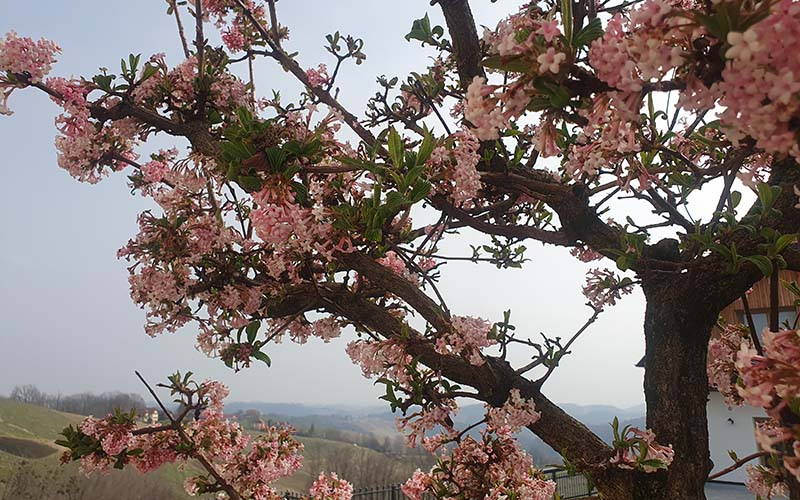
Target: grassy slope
43 425
33 422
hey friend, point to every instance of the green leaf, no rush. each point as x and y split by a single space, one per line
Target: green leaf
252 330
590 32
250 183
513 63
766 196
426 148
784 241
736 198
762 262
794 405
421 30
566 20
103 82
396 148
261 356
276 158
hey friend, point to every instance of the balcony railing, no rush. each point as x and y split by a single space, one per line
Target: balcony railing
568 486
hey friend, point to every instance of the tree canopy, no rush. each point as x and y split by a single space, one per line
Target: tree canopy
272 226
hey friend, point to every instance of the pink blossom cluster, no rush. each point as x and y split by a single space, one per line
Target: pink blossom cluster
457 168
641 50
609 136
237 33
394 263
24 56
411 102
380 358
515 413
544 137
530 36
469 336
162 291
433 416
173 89
158 169
489 109
603 288
764 482
247 465
200 233
493 467
530 40
772 381
637 449
318 77
86 146
760 86
331 488
585 253
114 436
722 350
291 231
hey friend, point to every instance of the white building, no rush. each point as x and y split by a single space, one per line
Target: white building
731 429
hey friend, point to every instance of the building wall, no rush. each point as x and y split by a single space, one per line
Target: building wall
758 298
737 436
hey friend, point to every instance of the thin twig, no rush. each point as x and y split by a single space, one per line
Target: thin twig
565 350
751 325
221 482
737 464
181 33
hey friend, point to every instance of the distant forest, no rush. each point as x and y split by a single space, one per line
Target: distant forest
83 403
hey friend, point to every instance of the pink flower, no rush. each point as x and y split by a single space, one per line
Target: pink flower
318 77
550 60
549 30
468 337
603 287
155 171
416 485
764 483
331 488
743 45
637 449
515 413
20 55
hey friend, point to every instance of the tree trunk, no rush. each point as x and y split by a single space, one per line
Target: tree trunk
677 329
794 489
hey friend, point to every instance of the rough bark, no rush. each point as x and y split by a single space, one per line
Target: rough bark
461 26
676 386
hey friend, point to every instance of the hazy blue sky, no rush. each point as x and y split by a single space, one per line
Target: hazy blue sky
68 323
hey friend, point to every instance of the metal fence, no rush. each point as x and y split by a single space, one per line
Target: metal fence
567 487
570 486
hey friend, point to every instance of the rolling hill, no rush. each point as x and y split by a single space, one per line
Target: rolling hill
30 470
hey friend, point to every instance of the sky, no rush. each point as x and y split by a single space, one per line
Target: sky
67 322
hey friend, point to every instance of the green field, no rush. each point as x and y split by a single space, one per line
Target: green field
29 462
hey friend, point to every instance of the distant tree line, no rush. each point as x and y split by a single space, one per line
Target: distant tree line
393 445
84 403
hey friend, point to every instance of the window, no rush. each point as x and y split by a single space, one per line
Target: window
761 319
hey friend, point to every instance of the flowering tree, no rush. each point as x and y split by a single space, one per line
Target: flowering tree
274 226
